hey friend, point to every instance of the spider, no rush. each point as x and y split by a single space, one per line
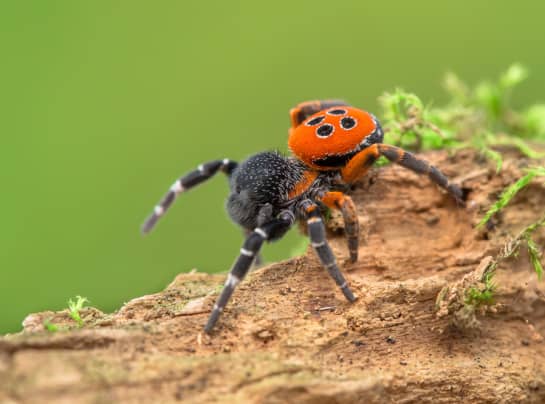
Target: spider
333 145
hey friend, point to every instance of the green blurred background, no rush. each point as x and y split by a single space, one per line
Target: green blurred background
104 104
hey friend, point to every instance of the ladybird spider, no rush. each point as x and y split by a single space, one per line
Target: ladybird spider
333 145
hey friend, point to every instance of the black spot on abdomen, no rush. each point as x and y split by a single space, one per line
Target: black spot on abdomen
348 122
325 130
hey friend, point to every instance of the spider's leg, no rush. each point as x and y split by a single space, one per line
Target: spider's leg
258 260
408 160
342 202
269 231
202 173
305 109
360 164
316 231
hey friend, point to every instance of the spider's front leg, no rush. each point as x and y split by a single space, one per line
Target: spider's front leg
362 162
316 231
342 202
272 230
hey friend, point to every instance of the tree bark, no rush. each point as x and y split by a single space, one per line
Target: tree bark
288 335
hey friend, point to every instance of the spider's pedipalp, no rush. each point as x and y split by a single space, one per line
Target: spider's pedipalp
250 249
203 172
316 232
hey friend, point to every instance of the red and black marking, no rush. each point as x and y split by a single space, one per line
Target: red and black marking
335 160
330 138
302 111
307 180
340 160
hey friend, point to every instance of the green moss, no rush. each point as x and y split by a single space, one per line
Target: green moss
512 248
49 326
411 125
483 294
482 118
511 191
74 308
535 254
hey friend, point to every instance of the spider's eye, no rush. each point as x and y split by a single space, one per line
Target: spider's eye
337 111
325 130
348 122
315 121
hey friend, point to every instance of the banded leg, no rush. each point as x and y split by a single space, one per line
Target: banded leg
305 109
316 231
202 173
342 202
258 260
269 231
360 164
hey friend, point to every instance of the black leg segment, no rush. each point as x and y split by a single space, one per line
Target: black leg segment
408 160
316 231
351 226
248 252
203 172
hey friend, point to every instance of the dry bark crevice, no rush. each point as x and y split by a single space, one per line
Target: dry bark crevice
289 336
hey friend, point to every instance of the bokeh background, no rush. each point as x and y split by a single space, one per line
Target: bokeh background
103 104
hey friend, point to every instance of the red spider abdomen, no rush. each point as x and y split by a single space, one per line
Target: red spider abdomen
332 132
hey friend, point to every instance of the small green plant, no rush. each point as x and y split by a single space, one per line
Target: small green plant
521 145
478 296
481 118
464 299
512 248
510 192
535 254
49 326
411 125
74 308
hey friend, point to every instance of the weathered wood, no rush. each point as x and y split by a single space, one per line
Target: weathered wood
288 335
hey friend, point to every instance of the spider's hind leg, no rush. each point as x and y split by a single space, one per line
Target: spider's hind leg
272 230
202 173
265 215
258 260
